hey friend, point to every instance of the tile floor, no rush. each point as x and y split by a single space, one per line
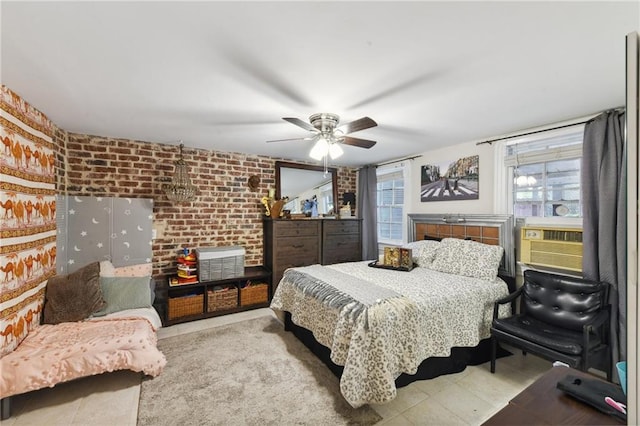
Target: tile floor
466 398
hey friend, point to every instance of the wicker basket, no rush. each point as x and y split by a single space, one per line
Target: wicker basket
185 306
221 299
253 294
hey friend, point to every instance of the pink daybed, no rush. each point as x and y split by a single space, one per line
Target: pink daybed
119 335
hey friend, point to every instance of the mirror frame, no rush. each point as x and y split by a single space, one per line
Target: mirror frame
287 165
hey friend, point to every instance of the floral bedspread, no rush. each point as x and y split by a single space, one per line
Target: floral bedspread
380 323
52 354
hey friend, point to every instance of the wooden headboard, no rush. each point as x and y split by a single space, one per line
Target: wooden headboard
487 229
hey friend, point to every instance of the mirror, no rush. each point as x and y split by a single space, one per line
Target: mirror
302 182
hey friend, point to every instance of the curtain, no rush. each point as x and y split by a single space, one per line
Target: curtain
604 216
367 204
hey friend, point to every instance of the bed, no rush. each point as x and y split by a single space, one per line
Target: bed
53 354
380 329
97 319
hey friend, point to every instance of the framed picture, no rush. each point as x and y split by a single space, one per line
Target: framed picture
450 180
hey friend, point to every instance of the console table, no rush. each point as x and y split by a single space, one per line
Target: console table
544 404
197 296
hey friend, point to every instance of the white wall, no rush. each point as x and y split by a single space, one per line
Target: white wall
483 205
633 294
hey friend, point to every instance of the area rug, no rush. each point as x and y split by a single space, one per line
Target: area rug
248 373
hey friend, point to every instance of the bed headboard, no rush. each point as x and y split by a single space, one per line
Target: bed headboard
103 228
487 229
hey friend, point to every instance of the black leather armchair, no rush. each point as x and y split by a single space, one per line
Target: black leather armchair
561 318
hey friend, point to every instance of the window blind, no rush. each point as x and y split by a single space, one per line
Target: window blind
554 145
394 175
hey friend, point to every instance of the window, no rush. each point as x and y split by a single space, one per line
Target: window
326 198
390 205
544 170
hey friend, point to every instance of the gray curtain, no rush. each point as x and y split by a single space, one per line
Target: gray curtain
366 204
604 216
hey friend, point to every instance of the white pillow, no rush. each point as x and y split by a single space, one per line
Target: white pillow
423 251
107 269
468 258
139 270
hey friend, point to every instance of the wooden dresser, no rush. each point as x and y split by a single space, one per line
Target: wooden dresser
291 243
341 241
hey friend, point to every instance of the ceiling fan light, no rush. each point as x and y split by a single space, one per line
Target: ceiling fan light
335 150
319 150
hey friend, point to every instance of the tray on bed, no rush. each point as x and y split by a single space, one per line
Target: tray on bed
375 264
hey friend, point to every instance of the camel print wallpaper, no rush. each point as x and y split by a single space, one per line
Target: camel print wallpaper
27 217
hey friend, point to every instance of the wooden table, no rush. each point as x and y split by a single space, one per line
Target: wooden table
543 404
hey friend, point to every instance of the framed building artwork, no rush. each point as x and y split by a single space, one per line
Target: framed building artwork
450 180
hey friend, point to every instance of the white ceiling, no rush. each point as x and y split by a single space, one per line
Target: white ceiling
220 75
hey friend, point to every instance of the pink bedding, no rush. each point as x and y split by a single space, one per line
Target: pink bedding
52 354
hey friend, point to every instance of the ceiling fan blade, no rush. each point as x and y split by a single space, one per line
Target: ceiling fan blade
290 140
398 88
300 123
260 75
360 124
362 143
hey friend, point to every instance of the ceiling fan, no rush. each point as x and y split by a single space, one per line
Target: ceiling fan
328 135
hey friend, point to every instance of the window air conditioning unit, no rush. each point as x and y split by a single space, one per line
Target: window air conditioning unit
552 247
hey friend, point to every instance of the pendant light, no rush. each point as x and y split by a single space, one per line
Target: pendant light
180 190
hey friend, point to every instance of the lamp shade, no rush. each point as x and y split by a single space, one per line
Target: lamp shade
320 149
335 150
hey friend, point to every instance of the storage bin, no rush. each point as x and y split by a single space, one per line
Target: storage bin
254 294
185 306
219 263
219 299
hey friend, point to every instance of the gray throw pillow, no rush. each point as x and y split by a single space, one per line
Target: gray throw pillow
73 297
123 293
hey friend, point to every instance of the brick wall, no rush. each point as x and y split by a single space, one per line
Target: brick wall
226 211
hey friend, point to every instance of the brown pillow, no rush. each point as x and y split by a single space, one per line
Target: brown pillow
73 297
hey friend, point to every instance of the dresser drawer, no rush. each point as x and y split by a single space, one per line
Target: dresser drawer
341 248
279 271
296 228
293 262
306 247
341 227
342 255
336 242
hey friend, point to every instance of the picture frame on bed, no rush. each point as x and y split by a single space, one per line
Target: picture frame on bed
398 257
